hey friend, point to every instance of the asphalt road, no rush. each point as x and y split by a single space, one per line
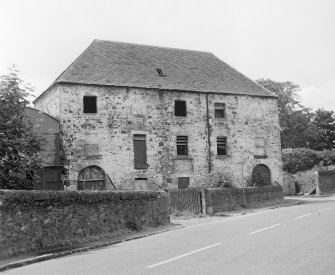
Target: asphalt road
292 240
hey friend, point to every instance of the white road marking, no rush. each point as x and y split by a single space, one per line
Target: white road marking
272 226
299 217
184 255
325 209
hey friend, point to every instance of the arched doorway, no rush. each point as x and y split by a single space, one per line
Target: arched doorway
91 178
261 175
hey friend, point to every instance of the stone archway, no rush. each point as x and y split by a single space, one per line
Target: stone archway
91 178
261 175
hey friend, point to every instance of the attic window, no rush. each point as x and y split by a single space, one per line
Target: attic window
160 72
180 108
219 110
90 104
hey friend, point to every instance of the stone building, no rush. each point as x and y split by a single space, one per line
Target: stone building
140 117
51 175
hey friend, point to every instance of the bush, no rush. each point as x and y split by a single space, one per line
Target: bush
302 159
220 180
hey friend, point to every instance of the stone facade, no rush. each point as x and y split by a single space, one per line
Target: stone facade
123 112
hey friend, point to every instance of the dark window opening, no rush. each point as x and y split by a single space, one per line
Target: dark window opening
90 104
181 145
180 108
140 152
183 182
160 72
221 146
219 110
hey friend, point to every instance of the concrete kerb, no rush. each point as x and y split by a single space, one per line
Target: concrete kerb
252 210
50 256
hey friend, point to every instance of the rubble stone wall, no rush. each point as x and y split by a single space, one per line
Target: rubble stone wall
326 182
228 199
123 112
38 220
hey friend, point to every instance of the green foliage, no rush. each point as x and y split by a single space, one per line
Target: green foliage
294 118
257 180
220 180
302 159
323 138
300 127
19 144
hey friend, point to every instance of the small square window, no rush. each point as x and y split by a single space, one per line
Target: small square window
219 110
183 182
90 104
182 145
180 108
221 146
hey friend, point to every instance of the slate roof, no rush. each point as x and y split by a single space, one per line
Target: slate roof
132 65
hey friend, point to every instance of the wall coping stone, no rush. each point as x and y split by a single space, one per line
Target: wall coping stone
30 197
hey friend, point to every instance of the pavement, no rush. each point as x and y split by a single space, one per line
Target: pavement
177 223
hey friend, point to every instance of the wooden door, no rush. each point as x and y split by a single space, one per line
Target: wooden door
91 178
50 178
261 175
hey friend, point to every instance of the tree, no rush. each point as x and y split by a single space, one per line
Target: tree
19 144
294 118
324 124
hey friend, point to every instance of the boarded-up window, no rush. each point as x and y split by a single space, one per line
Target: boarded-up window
260 147
140 152
219 110
181 145
180 108
183 182
91 144
90 104
221 143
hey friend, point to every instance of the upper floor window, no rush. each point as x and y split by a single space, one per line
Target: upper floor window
219 110
182 145
180 108
140 152
221 143
90 104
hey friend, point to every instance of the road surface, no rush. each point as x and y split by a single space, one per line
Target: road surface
292 240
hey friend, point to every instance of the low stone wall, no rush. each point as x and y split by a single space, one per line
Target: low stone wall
326 182
227 199
37 220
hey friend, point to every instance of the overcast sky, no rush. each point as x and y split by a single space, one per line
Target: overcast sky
282 40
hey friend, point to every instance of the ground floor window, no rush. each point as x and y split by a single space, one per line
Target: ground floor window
183 182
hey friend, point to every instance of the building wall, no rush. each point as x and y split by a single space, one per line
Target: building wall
49 102
48 127
123 112
289 184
